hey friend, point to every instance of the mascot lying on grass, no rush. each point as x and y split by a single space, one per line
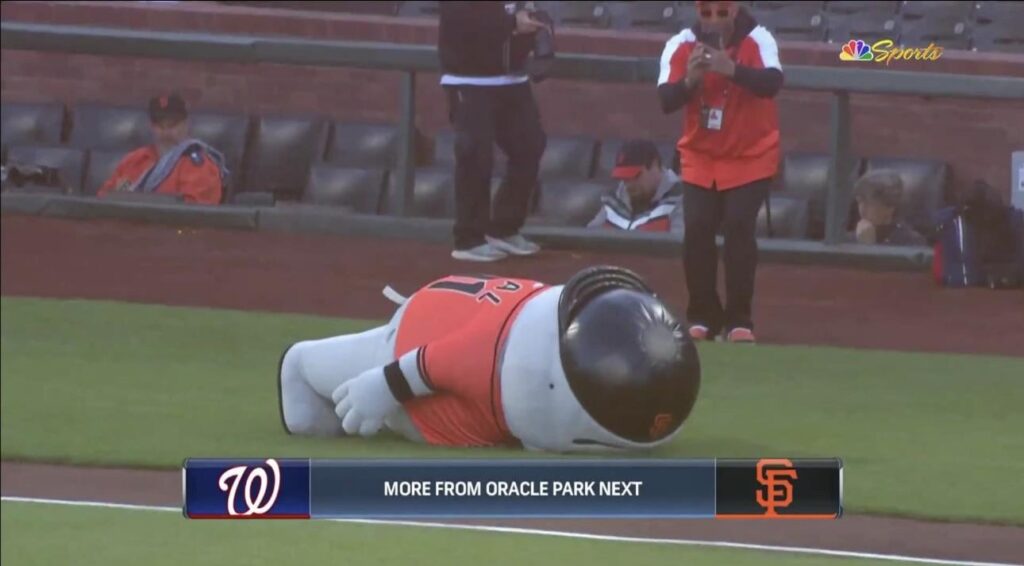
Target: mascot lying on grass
596 364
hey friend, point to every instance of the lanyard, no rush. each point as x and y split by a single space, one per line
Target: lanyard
728 85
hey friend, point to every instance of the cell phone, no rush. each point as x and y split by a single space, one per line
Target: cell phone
712 39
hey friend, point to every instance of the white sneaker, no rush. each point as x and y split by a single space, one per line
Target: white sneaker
483 252
515 245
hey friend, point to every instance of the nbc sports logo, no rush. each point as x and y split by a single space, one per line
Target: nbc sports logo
856 50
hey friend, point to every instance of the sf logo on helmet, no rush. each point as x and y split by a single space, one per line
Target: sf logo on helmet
661 423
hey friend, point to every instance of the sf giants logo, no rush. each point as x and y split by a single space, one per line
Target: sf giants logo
254 505
660 424
776 476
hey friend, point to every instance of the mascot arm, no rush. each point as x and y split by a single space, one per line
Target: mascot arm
364 402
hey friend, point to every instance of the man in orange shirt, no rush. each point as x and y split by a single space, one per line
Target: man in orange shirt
724 74
174 163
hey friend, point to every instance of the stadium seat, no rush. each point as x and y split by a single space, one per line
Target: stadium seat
363 145
568 157
798 22
868 26
334 185
943 29
227 133
280 153
789 218
863 6
648 16
999 35
69 162
583 14
444 151
418 9
109 127
100 167
988 12
568 202
805 175
918 9
925 188
433 194
32 124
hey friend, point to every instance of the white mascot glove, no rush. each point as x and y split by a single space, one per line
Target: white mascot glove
362 403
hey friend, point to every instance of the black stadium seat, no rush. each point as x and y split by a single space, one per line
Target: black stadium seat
69 162
651 16
568 157
863 6
944 30
583 14
925 187
918 9
109 127
32 124
363 145
569 202
433 194
226 133
1010 12
100 167
805 175
1000 35
280 153
800 22
334 185
868 26
789 217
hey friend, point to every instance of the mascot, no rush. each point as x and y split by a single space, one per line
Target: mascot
596 364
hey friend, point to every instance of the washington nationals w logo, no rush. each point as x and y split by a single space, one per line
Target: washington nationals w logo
776 476
259 503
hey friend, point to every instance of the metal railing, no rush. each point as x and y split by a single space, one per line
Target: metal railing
413 59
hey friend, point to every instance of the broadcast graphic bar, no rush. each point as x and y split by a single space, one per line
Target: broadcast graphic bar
395 489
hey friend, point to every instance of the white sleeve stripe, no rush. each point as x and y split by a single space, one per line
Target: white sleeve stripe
670 49
768 48
409 364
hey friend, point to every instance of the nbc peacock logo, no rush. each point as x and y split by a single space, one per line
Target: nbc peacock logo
856 50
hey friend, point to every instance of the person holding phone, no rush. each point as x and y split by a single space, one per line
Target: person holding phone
724 74
484 48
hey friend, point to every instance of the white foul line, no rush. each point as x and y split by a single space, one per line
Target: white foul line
563 534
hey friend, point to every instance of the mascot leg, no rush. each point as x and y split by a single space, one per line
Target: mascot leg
311 370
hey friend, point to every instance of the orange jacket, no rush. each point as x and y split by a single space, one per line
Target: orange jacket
199 183
746 149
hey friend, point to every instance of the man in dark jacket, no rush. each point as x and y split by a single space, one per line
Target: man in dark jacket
484 48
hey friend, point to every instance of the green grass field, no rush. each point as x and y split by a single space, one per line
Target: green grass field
111 383
48 534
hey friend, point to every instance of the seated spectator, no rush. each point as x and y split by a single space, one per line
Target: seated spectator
649 196
174 164
878 197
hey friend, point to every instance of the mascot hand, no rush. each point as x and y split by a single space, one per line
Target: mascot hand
364 402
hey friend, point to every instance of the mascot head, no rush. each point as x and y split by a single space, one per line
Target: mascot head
627 359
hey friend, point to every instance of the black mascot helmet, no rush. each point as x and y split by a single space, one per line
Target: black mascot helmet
627 358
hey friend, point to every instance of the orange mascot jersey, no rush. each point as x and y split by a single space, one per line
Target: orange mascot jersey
463 323
199 183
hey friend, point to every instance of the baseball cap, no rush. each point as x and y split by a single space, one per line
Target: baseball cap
633 157
167 108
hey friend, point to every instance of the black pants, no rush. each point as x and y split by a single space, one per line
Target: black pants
735 211
483 116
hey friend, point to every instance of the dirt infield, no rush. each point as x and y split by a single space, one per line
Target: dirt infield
344 276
